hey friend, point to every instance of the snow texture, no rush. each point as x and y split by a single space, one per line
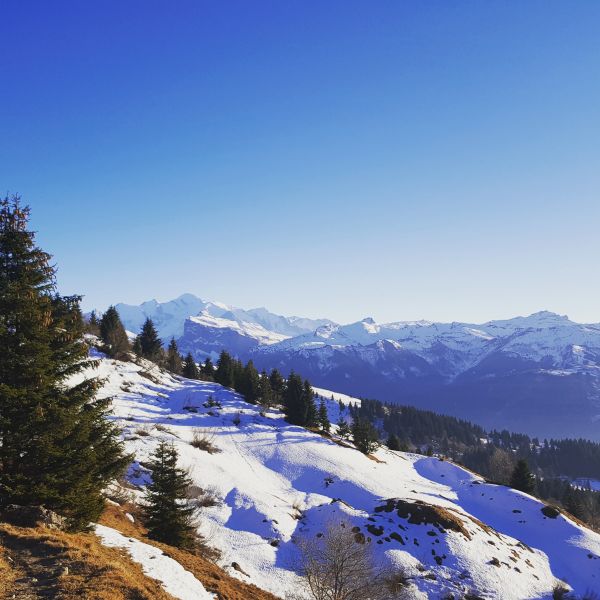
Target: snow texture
276 483
172 576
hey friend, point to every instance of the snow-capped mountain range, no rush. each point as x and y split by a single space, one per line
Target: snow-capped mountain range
539 374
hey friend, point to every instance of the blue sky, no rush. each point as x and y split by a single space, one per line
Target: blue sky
402 160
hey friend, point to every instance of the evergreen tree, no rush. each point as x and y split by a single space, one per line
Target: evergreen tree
113 334
393 442
169 518
343 429
309 406
190 369
365 436
299 403
174 358
57 446
93 324
266 393
150 343
293 400
207 370
224 372
324 417
277 384
137 346
521 478
237 374
249 384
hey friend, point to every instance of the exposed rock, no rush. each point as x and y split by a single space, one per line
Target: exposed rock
32 516
550 511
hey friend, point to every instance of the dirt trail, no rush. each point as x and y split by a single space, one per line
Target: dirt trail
36 568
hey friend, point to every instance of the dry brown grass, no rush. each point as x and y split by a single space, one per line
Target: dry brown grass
94 571
375 459
213 578
7 575
203 439
418 512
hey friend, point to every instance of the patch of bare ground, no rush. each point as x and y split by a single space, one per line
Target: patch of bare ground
213 577
39 563
418 512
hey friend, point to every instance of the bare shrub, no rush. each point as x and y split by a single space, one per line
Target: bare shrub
212 403
237 419
337 567
559 591
203 439
120 491
501 466
143 431
204 497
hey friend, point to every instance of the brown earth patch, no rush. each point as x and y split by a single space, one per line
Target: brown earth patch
213 577
41 563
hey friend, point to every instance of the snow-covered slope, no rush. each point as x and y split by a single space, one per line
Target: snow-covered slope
442 526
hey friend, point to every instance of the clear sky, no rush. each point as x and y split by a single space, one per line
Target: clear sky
401 160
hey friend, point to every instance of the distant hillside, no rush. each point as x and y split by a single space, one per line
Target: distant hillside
271 484
539 373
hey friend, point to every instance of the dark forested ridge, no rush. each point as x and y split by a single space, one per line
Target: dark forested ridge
555 464
461 439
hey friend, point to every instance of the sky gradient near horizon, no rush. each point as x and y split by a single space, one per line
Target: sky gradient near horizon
400 160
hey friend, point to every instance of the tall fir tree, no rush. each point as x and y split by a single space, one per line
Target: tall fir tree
249 384
168 515
113 334
207 370
308 405
292 399
238 374
224 372
522 478
190 369
150 344
393 443
137 346
324 417
174 363
57 446
277 384
93 324
365 436
266 393
298 402
343 429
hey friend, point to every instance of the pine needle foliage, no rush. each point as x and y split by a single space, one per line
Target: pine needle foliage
57 448
190 368
113 334
169 517
324 421
174 363
149 343
522 478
